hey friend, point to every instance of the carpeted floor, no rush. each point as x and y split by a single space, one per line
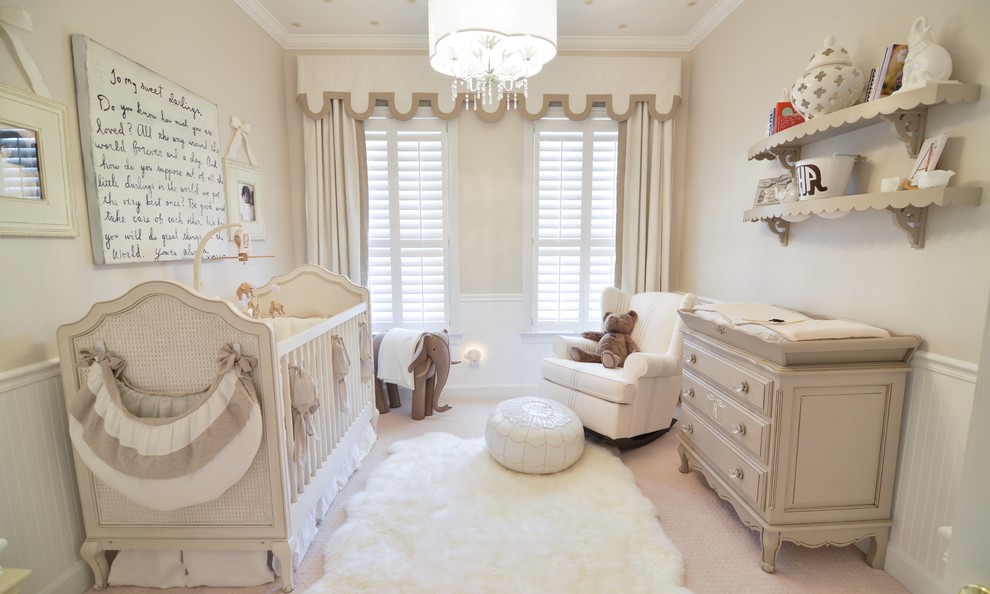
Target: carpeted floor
720 553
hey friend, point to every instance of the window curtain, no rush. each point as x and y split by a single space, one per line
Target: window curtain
644 214
336 193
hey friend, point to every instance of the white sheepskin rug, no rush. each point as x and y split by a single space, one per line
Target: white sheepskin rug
440 516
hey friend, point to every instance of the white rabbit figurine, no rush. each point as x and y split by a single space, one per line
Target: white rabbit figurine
926 60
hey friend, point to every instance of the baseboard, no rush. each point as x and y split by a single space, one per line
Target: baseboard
75 580
910 573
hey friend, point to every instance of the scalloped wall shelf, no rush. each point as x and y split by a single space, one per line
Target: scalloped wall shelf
907 111
908 114
908 206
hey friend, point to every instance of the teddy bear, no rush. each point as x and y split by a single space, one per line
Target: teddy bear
614 344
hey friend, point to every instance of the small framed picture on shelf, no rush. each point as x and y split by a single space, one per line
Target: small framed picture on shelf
929 154
772 190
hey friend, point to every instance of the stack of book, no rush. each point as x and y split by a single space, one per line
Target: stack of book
887 78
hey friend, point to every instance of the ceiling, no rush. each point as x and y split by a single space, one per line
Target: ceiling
609 25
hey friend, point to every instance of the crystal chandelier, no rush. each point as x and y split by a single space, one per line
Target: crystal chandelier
491 47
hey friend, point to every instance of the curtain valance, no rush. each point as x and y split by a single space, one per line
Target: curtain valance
403 81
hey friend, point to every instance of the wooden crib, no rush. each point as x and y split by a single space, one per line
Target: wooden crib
168 335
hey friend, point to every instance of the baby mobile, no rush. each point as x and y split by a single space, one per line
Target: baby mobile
245 291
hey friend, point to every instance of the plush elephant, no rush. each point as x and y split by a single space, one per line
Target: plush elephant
430 367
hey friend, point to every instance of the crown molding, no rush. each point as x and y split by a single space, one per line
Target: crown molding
265 20
714 18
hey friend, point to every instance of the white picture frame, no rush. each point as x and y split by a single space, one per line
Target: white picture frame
929 154
41 205
245 198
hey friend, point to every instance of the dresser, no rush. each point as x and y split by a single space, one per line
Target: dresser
802 443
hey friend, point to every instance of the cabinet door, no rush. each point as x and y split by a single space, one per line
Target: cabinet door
838 449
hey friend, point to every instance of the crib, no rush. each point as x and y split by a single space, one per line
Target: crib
169 334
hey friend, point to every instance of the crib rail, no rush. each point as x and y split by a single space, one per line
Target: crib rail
340 402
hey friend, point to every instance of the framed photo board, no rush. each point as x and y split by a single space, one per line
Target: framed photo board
35 180
245 198
772 190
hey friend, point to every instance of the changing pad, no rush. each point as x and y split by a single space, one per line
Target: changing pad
776 323
766 339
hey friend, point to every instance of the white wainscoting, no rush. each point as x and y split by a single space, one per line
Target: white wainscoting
935 426
39 503
509 366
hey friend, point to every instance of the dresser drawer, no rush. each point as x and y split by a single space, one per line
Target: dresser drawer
743 477
742 428
742 383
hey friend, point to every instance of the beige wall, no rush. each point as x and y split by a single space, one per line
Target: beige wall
490 199
211 48
860 266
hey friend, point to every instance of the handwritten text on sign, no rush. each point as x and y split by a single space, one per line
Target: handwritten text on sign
153 170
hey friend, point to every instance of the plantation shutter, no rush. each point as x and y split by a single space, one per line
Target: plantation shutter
575 221
407 233
19 176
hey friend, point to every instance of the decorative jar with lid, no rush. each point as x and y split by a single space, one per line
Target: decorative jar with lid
830 82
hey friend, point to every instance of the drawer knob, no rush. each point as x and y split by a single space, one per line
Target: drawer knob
690 359
688 428
736 473
687 392
738 429
741 387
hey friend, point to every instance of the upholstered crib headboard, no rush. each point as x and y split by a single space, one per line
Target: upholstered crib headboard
169 336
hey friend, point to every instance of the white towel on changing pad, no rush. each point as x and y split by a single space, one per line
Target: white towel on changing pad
395 354
757 318
821 329
753 312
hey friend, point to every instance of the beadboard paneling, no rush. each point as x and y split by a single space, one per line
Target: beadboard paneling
39 505
935 425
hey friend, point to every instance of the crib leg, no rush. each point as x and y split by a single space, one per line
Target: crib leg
92 552
283 552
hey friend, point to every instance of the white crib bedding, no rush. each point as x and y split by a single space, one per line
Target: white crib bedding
286 326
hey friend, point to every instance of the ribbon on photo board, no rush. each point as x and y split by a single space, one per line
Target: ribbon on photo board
13 19
241 131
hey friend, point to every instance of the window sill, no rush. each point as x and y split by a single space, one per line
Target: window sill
544 337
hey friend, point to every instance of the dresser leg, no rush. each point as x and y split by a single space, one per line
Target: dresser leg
684 467
771 544
877 555
92 552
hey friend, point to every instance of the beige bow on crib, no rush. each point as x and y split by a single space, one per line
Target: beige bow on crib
341 367
305 402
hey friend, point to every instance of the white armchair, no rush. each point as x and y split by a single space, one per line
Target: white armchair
639 398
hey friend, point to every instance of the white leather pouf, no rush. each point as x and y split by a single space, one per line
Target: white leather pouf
534 435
